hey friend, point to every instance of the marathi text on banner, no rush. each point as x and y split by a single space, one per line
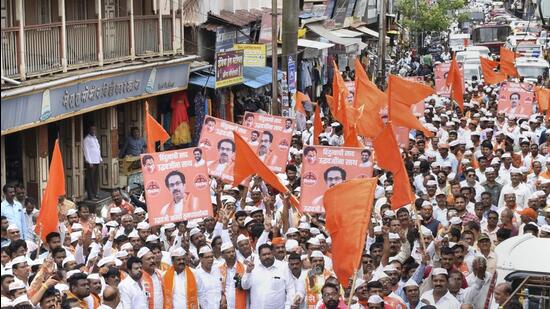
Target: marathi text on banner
218 146
324 167
516 99
229 68
254 54
176 185
272 135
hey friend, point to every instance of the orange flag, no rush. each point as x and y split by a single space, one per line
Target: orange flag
48 220
456 81
488 70
155 132
300 98
543 99
372 99
348 208
507 58
317 125
389 158
248 163
340 93
402 94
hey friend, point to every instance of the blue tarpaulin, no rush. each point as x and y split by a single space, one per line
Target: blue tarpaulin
254 77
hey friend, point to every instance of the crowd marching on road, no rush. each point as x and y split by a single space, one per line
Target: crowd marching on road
478 176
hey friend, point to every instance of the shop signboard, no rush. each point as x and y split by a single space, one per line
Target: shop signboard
177 187
324 167
254 54
229 68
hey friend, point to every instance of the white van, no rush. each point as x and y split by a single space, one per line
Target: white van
459 41
531 68
471 70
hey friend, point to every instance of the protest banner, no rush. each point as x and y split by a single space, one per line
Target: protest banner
254 54
217 143
441 71
402 136
176 185
271 135
229 68
516 99
324 167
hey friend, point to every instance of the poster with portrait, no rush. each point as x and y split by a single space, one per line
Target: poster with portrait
272 136
176 185
324 167
402 136
217 144
516 99
441 71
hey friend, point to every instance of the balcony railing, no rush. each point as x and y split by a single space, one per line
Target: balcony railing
46 50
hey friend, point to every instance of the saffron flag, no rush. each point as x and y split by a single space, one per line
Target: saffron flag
389 158
543 99
155 132
488 70
507 58
317 125
348 208
402 94
372 100
300 98
48 220
340 94
456 82
248 163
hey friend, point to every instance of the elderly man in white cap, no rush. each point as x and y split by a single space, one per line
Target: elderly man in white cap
439 296
209 285
179 283
362 294
151 276
516 186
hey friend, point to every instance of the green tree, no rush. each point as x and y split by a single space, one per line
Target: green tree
421 15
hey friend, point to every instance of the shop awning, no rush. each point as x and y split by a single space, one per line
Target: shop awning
314 44
254 77
368 31
324 32
345 33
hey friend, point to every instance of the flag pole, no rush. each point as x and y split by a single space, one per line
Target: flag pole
352 286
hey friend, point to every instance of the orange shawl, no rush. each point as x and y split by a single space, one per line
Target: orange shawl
191 284
240 294
149 287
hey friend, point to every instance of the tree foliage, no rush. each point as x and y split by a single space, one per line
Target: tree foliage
424 15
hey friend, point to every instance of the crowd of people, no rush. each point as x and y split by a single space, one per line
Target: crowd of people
482 178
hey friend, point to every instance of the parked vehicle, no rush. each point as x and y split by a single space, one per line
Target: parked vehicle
531 68
458 42
491 35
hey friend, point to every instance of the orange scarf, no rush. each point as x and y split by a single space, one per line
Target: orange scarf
240 294
313 291
191 285
149 288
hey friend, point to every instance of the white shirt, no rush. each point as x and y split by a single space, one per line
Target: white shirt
157 291
179 293
92 152
521 191
132 296
448 301
270 287
300 286
209 288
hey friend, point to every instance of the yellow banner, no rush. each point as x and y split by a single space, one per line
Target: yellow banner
254 54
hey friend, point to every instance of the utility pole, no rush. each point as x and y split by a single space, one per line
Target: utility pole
274 97
290 43
382 45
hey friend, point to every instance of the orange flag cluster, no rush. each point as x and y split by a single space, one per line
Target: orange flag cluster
348 208
155 132
47 219
490 76
543 99
456 81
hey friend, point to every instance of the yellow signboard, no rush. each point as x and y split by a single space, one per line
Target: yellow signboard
254 54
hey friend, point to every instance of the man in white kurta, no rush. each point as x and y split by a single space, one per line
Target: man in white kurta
269 283
209 285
